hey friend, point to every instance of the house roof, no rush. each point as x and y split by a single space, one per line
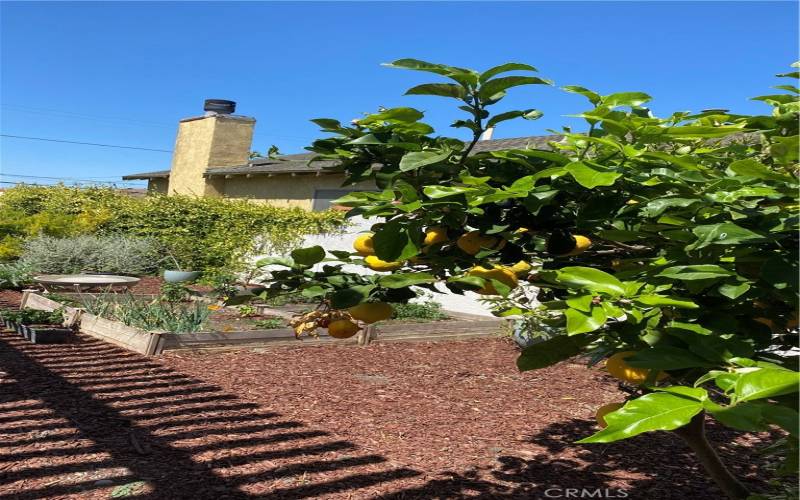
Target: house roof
298 163
160 174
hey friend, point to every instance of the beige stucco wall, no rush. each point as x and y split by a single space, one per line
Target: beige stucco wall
284 190
158 185
211 141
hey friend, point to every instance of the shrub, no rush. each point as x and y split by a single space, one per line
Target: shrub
423 311
101 254
270 323
203 233
15 275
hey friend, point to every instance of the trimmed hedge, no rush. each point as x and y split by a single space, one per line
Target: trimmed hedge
202 233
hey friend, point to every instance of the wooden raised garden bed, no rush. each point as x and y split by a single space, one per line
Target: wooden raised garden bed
460 326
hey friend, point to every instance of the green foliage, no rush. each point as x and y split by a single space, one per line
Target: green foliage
203 233
148 314
420 311
112 254
34 316
270 324
15 275
693 221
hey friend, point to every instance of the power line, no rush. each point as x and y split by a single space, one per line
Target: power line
2 174
84 143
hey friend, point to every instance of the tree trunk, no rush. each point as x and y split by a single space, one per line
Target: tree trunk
694 435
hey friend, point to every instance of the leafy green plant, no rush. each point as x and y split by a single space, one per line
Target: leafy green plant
419 311
102 254
667 246
34 316
174 292
150 315
15 275
270 324
203 233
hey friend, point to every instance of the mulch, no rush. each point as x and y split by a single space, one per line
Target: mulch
420 420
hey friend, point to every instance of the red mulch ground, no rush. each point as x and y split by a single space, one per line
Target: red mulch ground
391 421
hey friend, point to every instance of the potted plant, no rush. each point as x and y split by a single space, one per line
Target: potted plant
179 275
44 327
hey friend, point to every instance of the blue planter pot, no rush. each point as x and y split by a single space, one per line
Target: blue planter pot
181 276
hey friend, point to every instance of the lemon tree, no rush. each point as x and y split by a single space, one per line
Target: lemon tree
667 246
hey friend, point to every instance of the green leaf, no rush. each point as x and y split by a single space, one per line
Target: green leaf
590 279
581 302
528 114
752 168
435 192
625 99
693 132
551 351
503 68
308 256
656 411
392 242
593 97
589 177
733 291
725 233
419 159
583 322
492 87
663 357
439 89
766 383
782 416
402 280
401 115
661 300
697 272
274 261
657 207
744 417
349 297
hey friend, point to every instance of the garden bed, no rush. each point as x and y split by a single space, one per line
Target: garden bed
457 326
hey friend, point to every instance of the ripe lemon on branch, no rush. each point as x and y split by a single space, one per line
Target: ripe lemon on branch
618 368
377 264
521 268
364 245
342 329
473 241
499 273
371 312
434 235
605 410
564 244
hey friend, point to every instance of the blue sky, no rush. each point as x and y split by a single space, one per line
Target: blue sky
125 73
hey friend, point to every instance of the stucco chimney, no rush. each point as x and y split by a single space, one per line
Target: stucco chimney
217 139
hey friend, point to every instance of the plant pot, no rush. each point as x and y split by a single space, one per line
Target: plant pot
181 276
23 330
48 334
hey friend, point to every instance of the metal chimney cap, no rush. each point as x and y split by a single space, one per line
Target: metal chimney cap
219 106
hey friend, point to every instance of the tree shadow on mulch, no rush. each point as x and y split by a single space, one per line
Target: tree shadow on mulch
85 418
649 467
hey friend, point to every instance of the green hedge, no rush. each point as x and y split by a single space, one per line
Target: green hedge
203 233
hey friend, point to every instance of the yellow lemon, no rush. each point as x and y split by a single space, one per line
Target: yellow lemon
582 243
521 268
363 245
377 264
605 410
342 329
618 368
434 235
371 312
473 241
500 273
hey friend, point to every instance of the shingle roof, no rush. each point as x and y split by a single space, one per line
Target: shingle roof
298 163
160 174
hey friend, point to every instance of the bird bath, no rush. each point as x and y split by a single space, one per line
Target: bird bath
85 282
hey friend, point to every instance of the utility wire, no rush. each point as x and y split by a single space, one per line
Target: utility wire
58 178
83 143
